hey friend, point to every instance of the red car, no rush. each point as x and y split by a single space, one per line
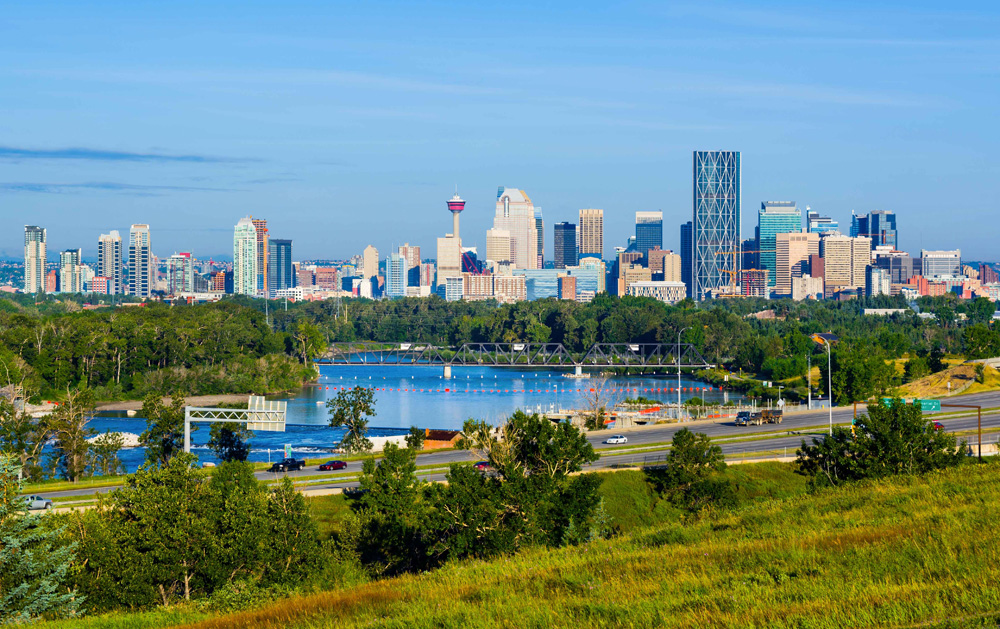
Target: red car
332 465
483 466
938 426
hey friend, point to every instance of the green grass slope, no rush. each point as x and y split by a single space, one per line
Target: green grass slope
904 552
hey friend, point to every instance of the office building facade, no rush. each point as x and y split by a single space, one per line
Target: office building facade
280 272
564 245
591 233
109 261
515 214
540 238
35 254
794 250
260 224
664 265
844 262
877 282
140 261
396 275
687 256
715 225
775 217
245 257
667 292
648 231
879 226
816 224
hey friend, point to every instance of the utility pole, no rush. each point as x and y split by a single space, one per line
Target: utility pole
809 381
679 371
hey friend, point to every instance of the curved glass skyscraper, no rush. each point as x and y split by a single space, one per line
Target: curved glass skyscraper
715 227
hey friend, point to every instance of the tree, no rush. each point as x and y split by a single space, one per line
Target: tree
230 441
916 368
687 477
890 439
34 558
597 399
23 437
858 374
415 438
309 341
164 434
350 409
104 454
981 341
69 427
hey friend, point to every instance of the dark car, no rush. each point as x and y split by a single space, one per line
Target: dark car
332 465
287 465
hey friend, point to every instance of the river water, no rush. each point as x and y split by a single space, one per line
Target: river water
419 396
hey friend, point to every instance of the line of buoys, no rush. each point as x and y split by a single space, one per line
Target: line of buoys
554 390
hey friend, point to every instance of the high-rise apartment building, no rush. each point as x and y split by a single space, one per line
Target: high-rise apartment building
687 256
540 236
140 261
591 234
988 274
879 225
595 263
792 258
816 224
844 262
260 224
70 271
564 245
109 261
877 282
775 217
395 276
715 230
180 273
753 283
515 213
280 272
34 259
938 264
648 231
245 257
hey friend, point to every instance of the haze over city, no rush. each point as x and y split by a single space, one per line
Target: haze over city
350 125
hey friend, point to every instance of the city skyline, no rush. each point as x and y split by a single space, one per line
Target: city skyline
246 118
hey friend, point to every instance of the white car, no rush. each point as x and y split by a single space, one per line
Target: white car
37 502
617 439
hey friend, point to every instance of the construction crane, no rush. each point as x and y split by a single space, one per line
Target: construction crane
732 271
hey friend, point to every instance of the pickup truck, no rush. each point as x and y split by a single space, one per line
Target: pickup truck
287 465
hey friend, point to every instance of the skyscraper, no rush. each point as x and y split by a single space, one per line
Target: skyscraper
939 264
844 262
280 273
245 257
591 233
715 231
140 261
412 254
70 271
109 261
775 217
816 224
369 262
648 231
879 225
260 224
395 276
34 259
515 213
793 251
687 256
564 245
540 231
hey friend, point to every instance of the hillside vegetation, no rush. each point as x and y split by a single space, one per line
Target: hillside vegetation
890 553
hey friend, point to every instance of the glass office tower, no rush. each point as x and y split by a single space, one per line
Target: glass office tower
776 217
648 232
715 229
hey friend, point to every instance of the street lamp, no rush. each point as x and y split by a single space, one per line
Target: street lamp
829 382
679 371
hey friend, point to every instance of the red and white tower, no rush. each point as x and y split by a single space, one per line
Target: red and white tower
455 206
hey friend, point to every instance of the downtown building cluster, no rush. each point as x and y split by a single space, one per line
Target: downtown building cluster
790 255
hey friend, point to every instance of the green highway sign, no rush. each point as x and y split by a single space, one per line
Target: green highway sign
929 405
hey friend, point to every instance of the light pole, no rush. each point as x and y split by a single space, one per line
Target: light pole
809 381
679 371
829 382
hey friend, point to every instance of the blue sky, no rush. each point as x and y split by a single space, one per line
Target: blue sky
349 124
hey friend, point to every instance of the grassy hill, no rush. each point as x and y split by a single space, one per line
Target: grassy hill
911 551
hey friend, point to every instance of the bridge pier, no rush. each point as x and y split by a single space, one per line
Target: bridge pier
447 372
578 370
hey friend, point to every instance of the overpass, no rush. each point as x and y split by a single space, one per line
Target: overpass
367 353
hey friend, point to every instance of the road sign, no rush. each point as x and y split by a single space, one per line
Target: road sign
288 450
781 402
929 405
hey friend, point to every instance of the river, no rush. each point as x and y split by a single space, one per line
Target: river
418 396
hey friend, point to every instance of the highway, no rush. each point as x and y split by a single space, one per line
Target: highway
816 421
